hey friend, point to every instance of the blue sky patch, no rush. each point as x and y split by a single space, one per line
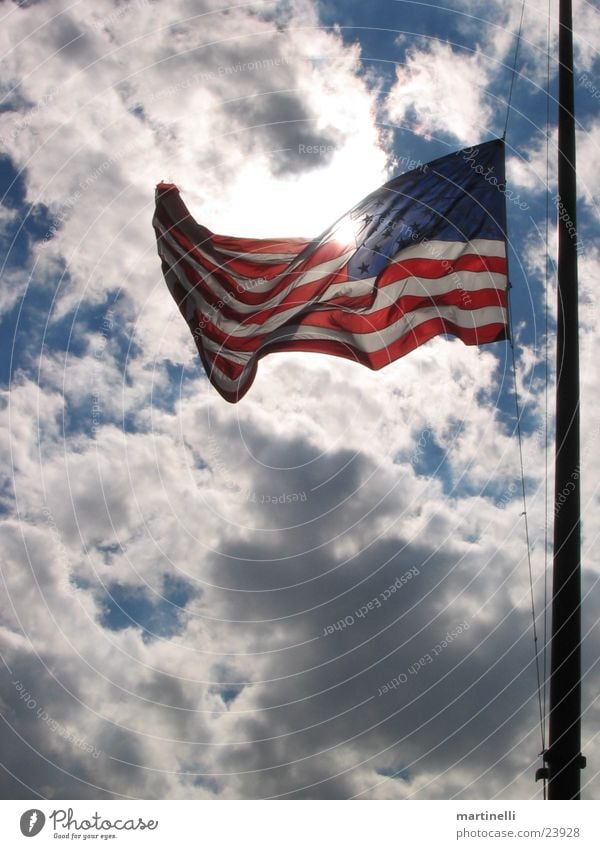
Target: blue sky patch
156 614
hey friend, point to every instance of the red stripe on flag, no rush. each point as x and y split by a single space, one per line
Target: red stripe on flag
483 335
433 268
261 246
352 322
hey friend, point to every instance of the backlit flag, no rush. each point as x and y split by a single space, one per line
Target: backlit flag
424 254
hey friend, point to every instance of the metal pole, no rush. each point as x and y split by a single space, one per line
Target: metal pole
563 756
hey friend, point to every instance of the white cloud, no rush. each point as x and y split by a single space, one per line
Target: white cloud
530 171
244 696
442 91
269 578
117 108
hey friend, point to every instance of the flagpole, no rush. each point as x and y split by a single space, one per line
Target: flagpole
563 756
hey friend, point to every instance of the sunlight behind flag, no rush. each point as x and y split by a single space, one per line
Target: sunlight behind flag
423 255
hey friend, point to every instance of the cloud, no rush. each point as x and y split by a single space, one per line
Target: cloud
441 91
207 601
295 710
530 172
230 114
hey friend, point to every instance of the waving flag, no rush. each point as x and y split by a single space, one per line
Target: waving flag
424 254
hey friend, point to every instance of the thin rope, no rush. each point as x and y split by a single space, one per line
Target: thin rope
546 360
527 537
514 70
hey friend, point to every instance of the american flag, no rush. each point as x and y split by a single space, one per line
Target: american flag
424 254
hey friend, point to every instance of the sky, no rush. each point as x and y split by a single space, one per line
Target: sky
323 591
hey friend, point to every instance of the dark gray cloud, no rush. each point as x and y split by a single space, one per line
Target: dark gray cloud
284 127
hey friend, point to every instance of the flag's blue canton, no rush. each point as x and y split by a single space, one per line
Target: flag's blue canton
451 199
